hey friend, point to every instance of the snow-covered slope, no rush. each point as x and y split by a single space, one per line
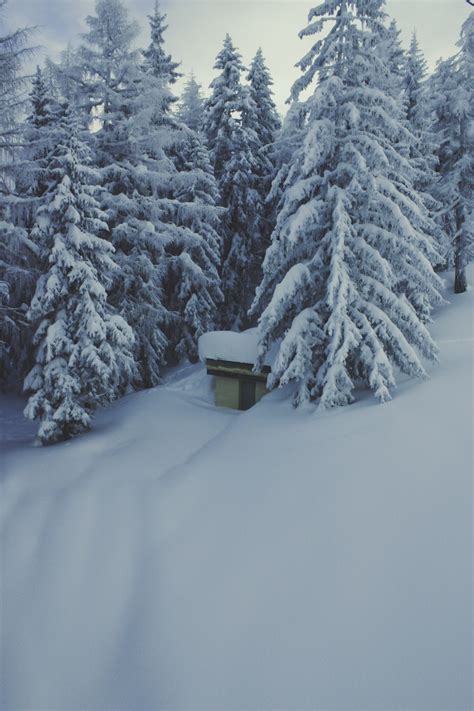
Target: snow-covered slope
186 557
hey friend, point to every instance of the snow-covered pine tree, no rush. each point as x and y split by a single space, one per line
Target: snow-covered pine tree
43 108
349 266
36 139
223 106
288 140
231 119
192 286
83 356
452 100
423 149
156 61
58 77
395 56
191 106
16 251
191 281
159 226
39 138
266 124
130 155
243 229
260 83
14 51
415 74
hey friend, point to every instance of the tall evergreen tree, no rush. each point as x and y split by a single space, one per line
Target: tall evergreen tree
350 261
415 74
231 120
260 83
192 285
39 138
106 65
83 356
41 102
62 78
141 149
16 250
418 115
191 108
243 225
266 125
422 149
288 140
452 99
14 51
156 61
224 106
396 57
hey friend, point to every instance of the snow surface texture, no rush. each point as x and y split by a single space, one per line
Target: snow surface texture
186 557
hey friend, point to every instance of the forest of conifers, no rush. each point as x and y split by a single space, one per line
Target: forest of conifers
133 220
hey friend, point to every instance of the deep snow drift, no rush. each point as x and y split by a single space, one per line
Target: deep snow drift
186 557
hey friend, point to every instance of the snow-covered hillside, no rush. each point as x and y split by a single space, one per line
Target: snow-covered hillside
185 557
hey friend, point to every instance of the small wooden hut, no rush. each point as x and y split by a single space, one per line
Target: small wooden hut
230 357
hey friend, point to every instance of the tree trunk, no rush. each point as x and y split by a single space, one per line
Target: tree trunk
460 282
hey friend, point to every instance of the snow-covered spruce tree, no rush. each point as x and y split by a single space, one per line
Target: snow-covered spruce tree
17 273
287 141
423 149
156 61
260 83
231 118
161 227
266 124
223 105
452 100
14 51
192 285
188 212
28 179
191 106
114 85
39 136
59 77
396 57
43 106
188 216
191 282
415 74
349 266
243 229
83 356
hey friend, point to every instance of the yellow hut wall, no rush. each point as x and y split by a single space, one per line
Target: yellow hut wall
227 392
260 391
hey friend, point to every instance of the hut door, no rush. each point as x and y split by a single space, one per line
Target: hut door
246 394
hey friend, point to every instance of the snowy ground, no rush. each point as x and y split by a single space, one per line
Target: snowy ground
185 557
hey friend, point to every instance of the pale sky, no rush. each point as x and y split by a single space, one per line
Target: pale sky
197 29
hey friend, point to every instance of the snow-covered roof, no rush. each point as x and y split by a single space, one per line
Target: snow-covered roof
232 346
